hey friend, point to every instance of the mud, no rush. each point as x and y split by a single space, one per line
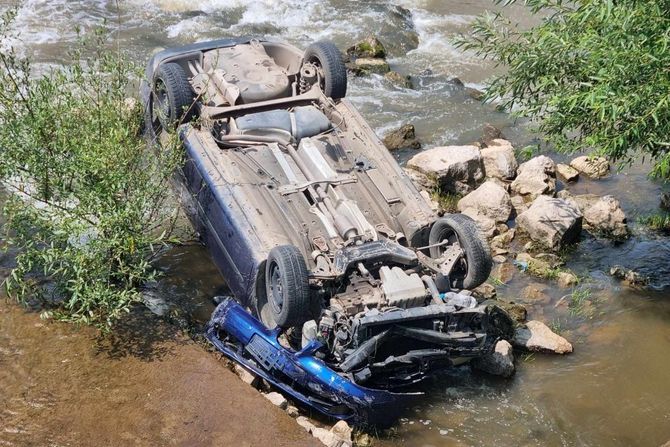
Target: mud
147 385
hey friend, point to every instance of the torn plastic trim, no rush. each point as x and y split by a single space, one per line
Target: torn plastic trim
298 374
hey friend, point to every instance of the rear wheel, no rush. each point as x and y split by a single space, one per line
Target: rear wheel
474 267
326 57
286 287
172 98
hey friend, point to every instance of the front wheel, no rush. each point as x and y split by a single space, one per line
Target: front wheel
332 73
474 267
287 287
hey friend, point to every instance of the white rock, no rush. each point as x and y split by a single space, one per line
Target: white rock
452 169
329 438
551 222
305 423
568 173
536 336
499 160
536 176
500 362
246 376
519 204
593 167
277 399
342 431
490 200
606 217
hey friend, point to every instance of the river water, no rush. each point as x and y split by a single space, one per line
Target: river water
613 390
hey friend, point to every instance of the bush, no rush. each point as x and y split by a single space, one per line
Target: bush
594 74
89 206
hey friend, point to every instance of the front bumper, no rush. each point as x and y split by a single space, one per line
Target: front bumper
244 339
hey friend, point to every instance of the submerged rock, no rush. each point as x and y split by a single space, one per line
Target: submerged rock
500 362
370 47
567 279
516 311
551 222
631 277
536 336
402 138
399 80
365 65
665 201
499 159
568 173
451 169
537 176
485 292
596 167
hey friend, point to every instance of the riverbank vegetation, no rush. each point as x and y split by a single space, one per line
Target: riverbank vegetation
87 208
593 74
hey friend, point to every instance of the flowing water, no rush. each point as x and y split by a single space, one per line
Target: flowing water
613 390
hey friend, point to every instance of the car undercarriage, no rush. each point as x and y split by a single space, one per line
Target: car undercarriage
354 287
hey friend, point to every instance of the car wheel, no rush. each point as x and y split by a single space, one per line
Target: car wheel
332 72
475 266
172 98
287 286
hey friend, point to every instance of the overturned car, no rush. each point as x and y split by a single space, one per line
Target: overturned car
350 280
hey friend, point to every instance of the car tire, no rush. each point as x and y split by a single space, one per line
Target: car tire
172 98
327 57
476 265
287 286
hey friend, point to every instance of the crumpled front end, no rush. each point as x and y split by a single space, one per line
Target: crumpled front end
307 379
336 389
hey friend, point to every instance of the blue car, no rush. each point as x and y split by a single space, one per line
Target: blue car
347 286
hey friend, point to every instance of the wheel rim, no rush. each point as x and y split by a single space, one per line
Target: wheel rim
160 105
321 79
460 270
276 293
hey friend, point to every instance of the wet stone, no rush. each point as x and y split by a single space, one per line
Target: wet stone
595 167
399 80
402 138
536 336
500 362
568 173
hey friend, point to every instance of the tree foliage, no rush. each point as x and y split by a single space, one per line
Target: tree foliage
87 205
594 74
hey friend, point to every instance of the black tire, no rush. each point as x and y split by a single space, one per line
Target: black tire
172 97
328 58
287 286
475 268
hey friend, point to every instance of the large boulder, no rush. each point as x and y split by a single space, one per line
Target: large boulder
499 160
551 222
500 362
402 138
370 47
606 217
594 167
535 177
536 336
490 200
451 169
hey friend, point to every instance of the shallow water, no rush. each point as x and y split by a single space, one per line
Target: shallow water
614 389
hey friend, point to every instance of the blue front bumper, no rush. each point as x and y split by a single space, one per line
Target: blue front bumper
244 339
